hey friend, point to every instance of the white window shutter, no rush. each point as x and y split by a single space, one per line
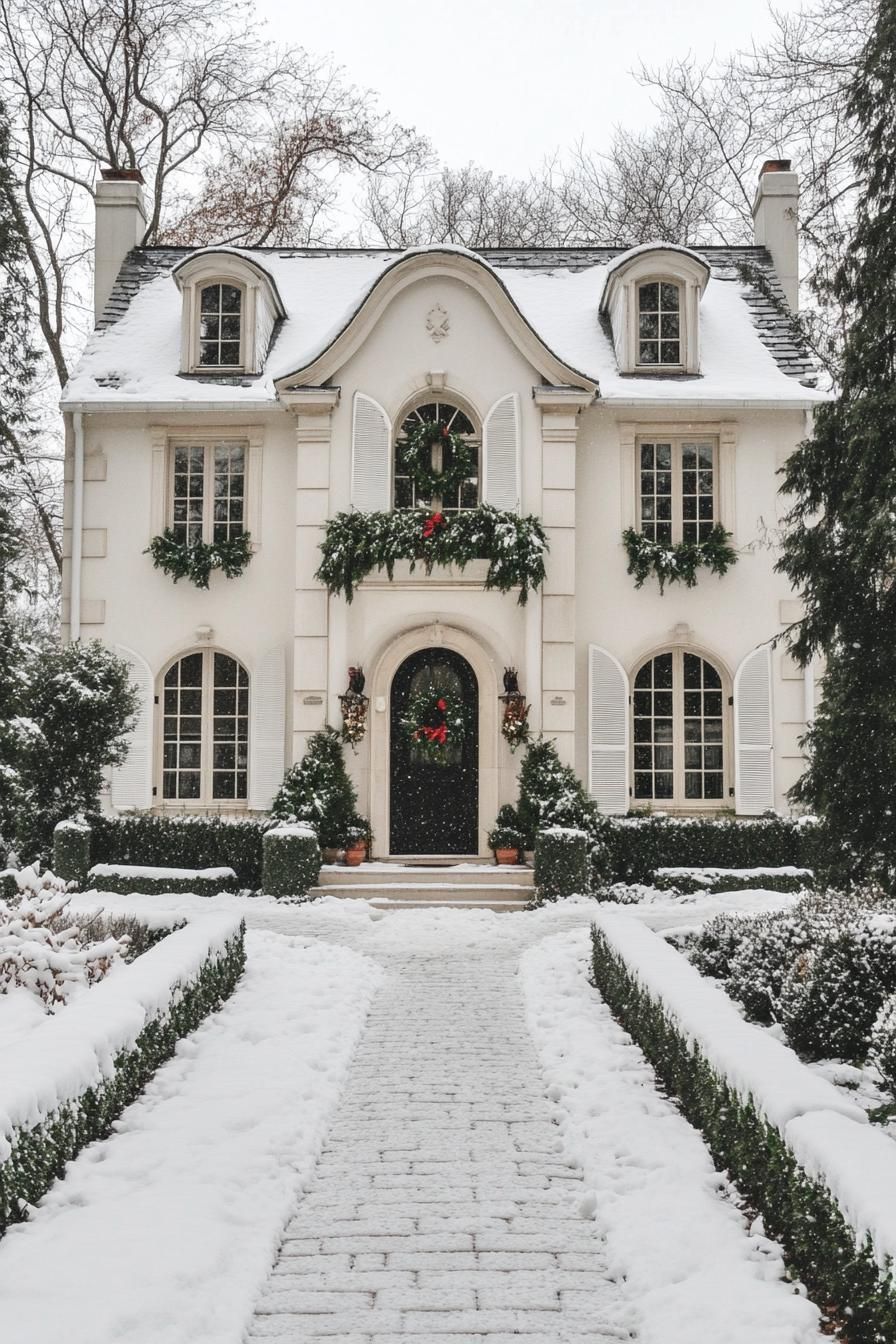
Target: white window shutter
754 782
501 455
267 728
607 731
371 456
131 782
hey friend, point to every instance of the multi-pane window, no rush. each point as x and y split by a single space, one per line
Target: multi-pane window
677 489
466 496
659 323
220 318
678 710
205 729
208 490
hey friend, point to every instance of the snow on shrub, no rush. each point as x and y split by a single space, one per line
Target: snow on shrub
883 1042
561 862
43 947
689 881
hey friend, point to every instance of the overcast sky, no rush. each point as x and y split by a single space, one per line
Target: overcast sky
504 82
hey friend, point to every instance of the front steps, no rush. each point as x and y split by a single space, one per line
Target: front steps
427 884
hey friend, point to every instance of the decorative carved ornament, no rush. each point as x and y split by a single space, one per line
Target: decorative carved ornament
438 323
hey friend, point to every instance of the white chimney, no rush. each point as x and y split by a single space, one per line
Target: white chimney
775 219
120 225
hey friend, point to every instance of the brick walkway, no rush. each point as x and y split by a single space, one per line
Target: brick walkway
440 1206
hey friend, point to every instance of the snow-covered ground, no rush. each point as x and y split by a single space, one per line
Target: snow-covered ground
163 1233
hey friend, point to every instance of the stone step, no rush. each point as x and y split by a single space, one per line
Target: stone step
387 875
462 893
499 907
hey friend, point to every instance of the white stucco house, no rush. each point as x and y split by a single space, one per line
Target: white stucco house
267 389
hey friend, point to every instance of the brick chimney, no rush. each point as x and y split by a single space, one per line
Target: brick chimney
120 225
775 220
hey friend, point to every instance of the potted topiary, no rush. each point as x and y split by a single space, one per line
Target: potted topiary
357 839
505 839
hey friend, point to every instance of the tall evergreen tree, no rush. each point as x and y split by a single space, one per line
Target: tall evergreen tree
840 545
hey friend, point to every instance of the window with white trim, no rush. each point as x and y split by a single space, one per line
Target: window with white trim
205 729
659 324
677 488
207 490
679 735
466 496
220 339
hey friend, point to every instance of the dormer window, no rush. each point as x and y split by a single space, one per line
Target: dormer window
652 298
220 326
230 309
659 323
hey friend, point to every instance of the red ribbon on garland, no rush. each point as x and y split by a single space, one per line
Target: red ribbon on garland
432 522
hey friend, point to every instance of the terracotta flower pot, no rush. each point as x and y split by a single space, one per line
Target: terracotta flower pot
507 857
355 855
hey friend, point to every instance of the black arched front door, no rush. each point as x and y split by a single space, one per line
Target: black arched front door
434 807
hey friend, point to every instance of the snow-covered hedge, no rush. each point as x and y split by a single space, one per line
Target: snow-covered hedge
688 881
767 1120
561 862
639 845
291 860
65 1084
125 878
181 842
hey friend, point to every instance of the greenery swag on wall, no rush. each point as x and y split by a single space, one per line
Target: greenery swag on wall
196 560
680 562
356 544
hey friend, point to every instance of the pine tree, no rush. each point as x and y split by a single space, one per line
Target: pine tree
840 544
318 790
551 794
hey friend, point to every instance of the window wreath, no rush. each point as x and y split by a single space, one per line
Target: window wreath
416 450
435 725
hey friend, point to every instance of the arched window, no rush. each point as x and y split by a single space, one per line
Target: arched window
466 496
205 729
659 323
220 326
679 731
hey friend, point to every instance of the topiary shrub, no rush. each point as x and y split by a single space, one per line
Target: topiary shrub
318 791
71 851
638 845
551 794
194 842
883 1042
561 863
291 860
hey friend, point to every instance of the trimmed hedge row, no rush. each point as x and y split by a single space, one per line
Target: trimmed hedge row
181 842
38 1156
799 1211
199 883
291 861
637 846
716 880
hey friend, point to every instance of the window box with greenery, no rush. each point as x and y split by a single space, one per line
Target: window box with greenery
206 512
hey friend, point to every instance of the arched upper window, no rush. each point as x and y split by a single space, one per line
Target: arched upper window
678 706
205 729
457 421
659 323
220 326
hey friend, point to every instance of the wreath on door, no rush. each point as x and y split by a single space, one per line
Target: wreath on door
436 724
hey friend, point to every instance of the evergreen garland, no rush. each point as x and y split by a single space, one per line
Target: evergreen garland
355 544
196 560
416 453
680 562
839 549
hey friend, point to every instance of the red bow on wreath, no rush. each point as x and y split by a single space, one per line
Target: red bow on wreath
432 522
438 736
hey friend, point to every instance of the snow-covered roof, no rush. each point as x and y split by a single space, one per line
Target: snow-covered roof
749 350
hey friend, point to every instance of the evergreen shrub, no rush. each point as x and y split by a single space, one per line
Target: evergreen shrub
318 791
71 851
883 1042
37 1155
798 1211
561 863
199 882
688 882
181 842
638 845
291 861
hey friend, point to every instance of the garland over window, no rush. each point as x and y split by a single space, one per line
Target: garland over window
459 464
356 544
195 560
680 562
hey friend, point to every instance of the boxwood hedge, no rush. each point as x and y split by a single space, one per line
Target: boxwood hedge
181 842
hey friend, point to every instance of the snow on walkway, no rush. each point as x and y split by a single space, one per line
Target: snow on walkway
163 1233
672 1228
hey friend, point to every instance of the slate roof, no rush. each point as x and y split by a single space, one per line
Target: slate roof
563 312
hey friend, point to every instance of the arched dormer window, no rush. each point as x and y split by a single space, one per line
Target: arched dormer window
457 421
230 309
652 298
